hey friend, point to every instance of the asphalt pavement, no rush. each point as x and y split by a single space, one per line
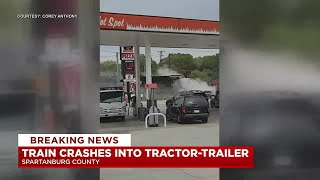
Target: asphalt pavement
131 123
192 134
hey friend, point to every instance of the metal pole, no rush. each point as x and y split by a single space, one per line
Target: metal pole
137 72
128 92
152 99
152 119
118 73
148 66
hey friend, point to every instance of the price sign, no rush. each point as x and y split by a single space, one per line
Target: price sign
130 71
129 65
127 56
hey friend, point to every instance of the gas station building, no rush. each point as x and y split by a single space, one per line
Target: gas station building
153 31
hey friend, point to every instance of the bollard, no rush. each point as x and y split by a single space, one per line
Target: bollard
155 114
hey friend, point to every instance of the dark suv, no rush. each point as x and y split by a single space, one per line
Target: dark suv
186 93
188 107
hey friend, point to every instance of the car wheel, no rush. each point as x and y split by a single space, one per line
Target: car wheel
204 120
179 119
122 118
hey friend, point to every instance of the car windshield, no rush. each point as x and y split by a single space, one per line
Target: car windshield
199 100
111 97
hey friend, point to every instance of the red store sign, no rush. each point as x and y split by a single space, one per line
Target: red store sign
127 56
112 22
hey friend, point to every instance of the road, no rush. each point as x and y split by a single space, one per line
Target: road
174 134
132 124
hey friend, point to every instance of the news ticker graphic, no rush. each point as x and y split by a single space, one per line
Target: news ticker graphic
115 151
73 140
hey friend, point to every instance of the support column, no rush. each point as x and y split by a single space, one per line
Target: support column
137 72
148 65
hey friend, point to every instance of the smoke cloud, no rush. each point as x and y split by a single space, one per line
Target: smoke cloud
164 71
183 84
186 84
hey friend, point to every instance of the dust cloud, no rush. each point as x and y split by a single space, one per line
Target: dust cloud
164 71
185 84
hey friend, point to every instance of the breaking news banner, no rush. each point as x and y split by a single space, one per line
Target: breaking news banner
115 151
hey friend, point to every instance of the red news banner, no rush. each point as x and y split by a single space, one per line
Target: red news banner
115 151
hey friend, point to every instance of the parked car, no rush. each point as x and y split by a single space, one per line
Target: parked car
186 93
214 102
198 92
208 93
188 107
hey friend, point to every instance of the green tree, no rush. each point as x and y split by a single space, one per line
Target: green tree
247 20
182 63
210 64
203 76
154 65
108 67
11 27
305 12
199 62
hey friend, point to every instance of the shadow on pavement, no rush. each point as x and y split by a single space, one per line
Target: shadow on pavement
110 120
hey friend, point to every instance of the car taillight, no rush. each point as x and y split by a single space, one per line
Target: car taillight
184 110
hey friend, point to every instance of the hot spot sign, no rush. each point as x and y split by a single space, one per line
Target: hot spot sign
113 21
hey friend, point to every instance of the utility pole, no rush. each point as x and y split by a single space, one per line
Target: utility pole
118 73
161 55
169 60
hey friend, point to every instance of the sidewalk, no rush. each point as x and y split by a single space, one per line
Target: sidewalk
188 134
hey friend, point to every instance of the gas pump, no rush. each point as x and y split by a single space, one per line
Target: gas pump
153 121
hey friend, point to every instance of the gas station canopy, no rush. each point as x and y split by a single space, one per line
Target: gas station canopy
127 30
153 31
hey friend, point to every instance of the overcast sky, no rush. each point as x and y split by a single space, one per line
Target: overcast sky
192 9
